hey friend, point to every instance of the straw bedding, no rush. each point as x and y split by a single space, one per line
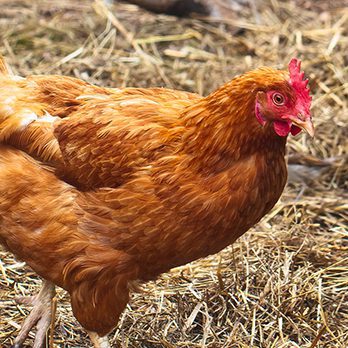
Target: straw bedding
284 283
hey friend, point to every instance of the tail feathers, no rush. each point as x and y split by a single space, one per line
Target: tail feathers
4 68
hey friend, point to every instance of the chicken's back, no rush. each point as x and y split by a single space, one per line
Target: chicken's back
92 136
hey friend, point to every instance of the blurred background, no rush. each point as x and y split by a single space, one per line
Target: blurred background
283 284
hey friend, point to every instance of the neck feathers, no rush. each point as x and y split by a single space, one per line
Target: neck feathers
222 127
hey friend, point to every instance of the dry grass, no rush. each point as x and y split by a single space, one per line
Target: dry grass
283 284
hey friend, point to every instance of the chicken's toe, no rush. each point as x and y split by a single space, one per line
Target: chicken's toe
40 316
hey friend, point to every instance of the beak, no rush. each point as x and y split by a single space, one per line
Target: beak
305 124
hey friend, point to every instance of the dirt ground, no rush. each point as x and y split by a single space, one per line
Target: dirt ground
285 282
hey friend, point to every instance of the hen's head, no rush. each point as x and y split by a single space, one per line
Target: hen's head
286 105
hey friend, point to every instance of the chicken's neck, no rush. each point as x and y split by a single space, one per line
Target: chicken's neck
222 129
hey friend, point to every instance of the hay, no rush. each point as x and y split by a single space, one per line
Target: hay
283 284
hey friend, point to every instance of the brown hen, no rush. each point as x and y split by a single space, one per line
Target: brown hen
103 187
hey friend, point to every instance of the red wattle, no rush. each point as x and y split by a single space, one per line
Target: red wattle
282 128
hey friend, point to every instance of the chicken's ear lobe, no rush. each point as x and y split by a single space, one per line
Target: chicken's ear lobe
261 96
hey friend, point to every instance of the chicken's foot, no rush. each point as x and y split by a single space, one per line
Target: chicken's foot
40 315
99 342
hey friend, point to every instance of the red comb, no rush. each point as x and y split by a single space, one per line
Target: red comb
298 83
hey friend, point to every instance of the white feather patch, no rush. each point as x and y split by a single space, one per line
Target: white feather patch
17 78
136 101
48 118
92 96
27 117
6 107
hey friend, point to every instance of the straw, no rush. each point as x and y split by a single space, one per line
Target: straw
285 282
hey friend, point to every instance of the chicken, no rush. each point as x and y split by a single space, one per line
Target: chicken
102 188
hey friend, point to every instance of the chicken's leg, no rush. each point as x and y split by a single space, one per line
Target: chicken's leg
99 342
40 315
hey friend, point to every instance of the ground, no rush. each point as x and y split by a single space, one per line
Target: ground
285 282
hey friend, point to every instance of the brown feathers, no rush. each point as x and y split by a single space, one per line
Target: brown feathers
108 186
4 69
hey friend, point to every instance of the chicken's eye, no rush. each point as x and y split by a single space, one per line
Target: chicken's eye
278 99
